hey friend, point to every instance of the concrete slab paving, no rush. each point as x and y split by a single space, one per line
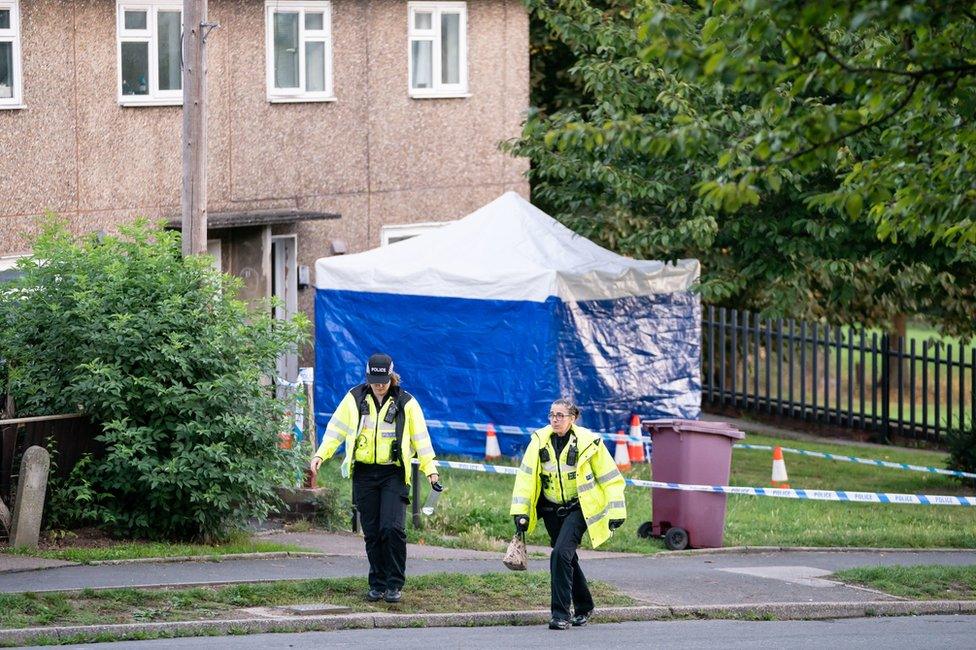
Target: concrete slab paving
671 580
801 575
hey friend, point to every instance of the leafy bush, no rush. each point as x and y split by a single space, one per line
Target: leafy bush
962 449
157 349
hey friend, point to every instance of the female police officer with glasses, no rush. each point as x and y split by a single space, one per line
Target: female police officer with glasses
570 480
383 428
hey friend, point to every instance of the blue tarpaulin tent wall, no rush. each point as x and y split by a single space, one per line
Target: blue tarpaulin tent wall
492 317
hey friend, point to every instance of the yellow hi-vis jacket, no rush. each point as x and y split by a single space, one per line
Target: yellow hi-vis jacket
369 438
597 481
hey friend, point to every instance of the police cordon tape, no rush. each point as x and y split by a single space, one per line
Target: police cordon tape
813 495
617 437
862 461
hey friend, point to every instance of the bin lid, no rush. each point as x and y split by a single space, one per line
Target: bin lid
694 426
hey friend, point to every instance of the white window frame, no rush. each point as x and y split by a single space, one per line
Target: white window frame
271 7
438 89
400 232
150 35
12 35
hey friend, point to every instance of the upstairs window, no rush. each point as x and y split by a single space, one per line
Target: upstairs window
298 43
438 49
150 52
10 81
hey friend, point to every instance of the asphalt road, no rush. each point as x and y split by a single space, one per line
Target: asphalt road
906 632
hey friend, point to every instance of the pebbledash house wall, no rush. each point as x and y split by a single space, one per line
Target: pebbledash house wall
375 155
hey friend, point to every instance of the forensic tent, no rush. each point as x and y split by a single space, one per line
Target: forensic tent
490 318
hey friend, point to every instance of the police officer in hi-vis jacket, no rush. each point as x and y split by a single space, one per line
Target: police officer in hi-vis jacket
383 428
570 480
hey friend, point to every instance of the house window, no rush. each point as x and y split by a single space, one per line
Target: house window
438 49
10 81
399 232
298 46
149 54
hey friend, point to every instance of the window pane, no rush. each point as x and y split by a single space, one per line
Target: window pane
170 75
315 66
135 68
286 50
422 20
4 19
450 48
315 21
6 70
135 20
420 56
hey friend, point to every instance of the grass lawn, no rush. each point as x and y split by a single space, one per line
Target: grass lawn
442 592
921 582
473 513
112 550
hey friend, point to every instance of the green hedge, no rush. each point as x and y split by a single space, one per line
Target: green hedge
157 349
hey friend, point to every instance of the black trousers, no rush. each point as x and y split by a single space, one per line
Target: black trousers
568 582
381 497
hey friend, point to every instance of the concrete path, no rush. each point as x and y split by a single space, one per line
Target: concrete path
349 544
664 579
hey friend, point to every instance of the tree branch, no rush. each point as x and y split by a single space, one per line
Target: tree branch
911 74
864 127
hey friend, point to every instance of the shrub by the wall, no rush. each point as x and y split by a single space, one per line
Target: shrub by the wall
158 349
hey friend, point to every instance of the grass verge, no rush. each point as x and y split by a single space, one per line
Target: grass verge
474 510
443 592
920 582
124 550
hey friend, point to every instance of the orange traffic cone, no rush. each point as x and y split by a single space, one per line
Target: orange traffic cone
620 455
492 450
779 469
634 444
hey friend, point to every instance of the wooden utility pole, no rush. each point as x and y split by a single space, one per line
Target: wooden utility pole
194 196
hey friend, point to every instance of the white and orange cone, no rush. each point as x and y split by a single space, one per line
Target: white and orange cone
492 450
779 470
621 455
635 445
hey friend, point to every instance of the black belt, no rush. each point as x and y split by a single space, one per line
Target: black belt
562 510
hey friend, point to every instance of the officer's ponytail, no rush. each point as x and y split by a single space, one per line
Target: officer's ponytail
394 378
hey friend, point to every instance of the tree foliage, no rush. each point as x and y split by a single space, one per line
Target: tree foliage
156 349
653 160
881 92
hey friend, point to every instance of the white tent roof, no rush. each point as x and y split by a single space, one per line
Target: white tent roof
506 250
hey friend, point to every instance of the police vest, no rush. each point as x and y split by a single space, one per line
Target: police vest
379 438
558 475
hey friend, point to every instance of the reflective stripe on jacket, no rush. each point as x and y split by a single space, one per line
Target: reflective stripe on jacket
599 484
369 439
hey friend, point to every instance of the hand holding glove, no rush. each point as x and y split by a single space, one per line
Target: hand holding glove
521 523
616 523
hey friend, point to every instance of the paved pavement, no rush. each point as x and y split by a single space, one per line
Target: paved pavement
669 579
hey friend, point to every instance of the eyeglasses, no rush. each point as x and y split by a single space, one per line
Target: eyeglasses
558 417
